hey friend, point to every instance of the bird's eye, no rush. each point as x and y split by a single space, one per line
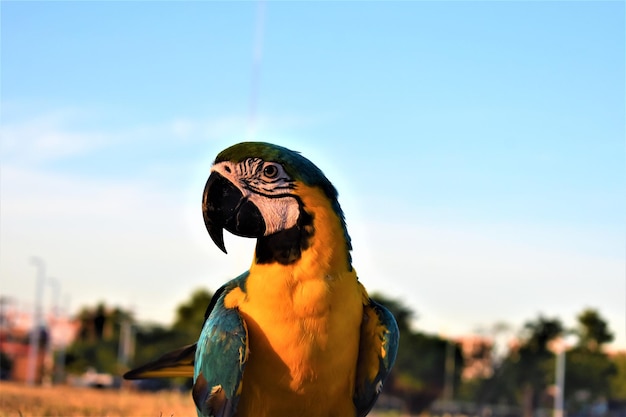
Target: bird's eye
270 171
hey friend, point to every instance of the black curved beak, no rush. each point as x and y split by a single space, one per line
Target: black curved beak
224 207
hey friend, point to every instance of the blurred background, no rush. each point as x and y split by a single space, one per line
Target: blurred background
478 149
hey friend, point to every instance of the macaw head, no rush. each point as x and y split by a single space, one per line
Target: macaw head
253 191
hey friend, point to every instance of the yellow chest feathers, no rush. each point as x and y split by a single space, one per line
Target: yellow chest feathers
304 342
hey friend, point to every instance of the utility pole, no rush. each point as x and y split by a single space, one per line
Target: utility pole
126 347
448 388
60 368
560 379
54 323
33 354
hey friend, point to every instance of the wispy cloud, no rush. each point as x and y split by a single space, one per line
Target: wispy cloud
70 133
47 136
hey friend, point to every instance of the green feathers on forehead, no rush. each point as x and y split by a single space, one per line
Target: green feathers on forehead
296 165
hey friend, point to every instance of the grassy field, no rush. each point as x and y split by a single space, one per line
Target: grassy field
19 400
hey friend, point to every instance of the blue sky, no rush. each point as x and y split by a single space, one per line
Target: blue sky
478 147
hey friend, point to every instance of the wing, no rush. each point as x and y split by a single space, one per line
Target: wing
377 353
221 355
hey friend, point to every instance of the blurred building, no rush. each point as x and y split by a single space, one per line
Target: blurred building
16 325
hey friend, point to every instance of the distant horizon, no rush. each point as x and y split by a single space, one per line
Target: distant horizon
499 332
495 332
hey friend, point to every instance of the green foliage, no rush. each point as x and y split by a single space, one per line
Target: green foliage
524 375
98 342
540 333
536 363
402 313
419 374
101 356
501 387
593 330
587 370
152 341
190 315
97 345
617 383
481 358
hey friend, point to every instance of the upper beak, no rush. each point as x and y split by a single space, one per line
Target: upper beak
225 207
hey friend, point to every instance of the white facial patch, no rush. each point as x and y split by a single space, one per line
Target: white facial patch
268 186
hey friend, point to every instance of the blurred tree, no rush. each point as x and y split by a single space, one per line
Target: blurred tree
402 313
99 319
525 373
593 330
535 368
86 324
588 368
617 383
152 340
97 344
587 372
522 376
419 374
480 362
190 315
502 387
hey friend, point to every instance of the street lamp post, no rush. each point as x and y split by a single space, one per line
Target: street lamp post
559 379
448 389
33 354
60 368
55 284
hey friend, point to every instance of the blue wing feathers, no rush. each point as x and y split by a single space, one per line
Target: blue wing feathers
377 354
221 356
391 337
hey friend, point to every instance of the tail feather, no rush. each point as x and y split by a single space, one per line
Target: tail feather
179 362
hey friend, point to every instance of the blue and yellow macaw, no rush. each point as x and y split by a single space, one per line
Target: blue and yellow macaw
297 334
